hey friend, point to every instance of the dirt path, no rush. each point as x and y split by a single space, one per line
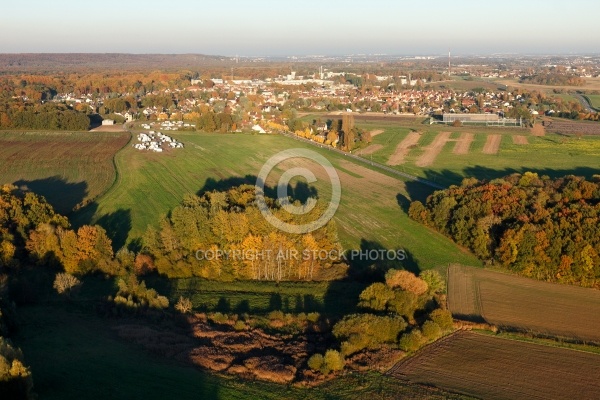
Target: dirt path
369 150
377 132
538 130
492 144
463 144
404 148
433 150
520 139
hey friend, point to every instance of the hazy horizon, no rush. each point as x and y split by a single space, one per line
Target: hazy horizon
274 29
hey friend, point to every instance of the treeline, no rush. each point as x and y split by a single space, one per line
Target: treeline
20 213
49 116
554 79
536 226
31 232
223 235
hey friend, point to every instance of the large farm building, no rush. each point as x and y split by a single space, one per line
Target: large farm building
487 119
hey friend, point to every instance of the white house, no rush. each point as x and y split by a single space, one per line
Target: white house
108 122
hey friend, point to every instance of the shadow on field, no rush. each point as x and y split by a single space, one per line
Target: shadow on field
117 226
373 260
62 195
298 191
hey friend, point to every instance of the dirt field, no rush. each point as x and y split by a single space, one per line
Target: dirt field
377 132
369 150
494 368
69 169
524 304
538 130
109 128
463 144
520 139
492 144
573 128
433 150
404 148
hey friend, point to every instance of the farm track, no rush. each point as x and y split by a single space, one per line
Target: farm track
520 140
463 144
402 150
433 150
492 144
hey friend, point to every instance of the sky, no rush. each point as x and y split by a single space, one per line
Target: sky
309 27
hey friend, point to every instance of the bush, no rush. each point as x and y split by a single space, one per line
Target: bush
411 341
443 318
360 331
313 317
15 377
66 283
404 303
184 305
134 294
218 318
333 361
376 297
434 280
276 316
431 330
315 362
239 325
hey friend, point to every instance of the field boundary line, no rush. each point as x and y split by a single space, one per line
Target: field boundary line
117 173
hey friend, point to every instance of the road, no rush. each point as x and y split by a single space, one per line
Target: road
586 104
368 162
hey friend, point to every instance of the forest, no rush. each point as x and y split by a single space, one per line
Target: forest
43 116
536 226
554 79
223 235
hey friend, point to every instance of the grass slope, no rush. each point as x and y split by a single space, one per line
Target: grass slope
150 185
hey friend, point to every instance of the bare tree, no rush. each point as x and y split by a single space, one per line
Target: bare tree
66 283
184 305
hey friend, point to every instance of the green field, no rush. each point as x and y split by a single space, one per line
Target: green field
594 99
553 154
67 168
370 215
334 299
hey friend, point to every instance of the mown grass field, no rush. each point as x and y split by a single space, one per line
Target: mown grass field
66 168
333 299
552 154
524 304
595 100
371 213
494 368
